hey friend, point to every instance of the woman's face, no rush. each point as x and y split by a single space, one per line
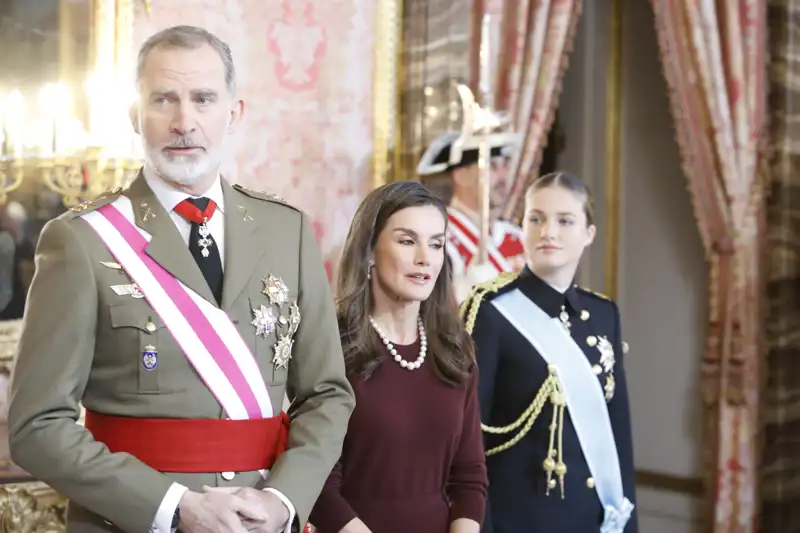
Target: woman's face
556 230
409 253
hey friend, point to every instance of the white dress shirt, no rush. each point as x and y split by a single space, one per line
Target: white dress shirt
170 197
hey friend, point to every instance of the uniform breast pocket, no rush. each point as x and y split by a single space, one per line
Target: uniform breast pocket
141 339
270 325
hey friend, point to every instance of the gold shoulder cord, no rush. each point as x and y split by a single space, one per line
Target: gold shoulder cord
549 391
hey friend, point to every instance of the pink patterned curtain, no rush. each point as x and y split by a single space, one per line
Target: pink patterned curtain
537 37
713 54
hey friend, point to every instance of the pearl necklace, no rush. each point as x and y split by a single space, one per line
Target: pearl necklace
423 346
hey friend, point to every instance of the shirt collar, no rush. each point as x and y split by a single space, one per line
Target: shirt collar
546 296
169 197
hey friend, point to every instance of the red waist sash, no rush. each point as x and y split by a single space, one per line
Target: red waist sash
194 445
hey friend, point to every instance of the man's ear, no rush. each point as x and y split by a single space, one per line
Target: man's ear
237 112
133 113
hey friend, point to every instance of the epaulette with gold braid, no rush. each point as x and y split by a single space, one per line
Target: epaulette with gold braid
595 293
259 195
469 307
96 203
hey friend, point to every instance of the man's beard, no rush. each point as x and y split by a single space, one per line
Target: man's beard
187 169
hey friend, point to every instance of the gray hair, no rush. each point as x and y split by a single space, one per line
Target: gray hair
189 37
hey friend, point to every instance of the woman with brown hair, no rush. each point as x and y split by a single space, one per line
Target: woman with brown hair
553 393
413 456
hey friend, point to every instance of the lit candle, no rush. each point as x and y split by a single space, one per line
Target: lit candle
62 140
94 97
129 101
47 125
14 123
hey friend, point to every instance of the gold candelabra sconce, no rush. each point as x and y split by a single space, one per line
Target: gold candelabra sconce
76 178
76 159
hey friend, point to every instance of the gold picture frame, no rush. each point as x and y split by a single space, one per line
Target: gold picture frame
387 79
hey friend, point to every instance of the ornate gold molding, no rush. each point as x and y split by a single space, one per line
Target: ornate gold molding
31 508
613 150
9 335
386 80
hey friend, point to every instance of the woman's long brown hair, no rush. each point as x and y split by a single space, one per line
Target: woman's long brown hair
450 348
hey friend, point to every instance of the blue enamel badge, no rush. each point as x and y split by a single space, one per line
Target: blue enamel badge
149 358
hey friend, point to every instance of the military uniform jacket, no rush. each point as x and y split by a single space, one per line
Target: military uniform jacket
82 342
512 372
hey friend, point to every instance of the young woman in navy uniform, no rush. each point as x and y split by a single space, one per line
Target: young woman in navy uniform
554 403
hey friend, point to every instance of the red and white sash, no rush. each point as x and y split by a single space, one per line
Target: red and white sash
464 236
208 337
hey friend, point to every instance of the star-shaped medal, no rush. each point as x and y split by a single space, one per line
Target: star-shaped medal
276 289
607 358
264 321
283 352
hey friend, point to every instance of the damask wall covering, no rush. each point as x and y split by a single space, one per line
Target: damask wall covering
305 74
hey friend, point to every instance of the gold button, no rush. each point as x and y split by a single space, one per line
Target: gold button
590 482
150 326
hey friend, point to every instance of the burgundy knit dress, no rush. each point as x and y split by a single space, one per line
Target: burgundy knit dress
413 458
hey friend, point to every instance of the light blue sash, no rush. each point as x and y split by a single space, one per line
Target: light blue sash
584 398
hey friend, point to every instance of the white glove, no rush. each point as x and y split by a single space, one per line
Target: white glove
476 273
480 273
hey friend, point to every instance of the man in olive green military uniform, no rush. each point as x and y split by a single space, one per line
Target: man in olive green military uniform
179 312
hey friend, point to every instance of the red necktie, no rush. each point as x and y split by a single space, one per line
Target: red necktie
192 213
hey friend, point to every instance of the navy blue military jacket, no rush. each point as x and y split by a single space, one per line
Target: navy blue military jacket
521 498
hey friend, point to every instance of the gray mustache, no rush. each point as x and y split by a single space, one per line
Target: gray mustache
183 142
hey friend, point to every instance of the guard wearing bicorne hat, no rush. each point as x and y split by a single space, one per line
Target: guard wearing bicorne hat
457 154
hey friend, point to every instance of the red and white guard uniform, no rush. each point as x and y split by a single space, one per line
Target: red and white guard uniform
506 252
